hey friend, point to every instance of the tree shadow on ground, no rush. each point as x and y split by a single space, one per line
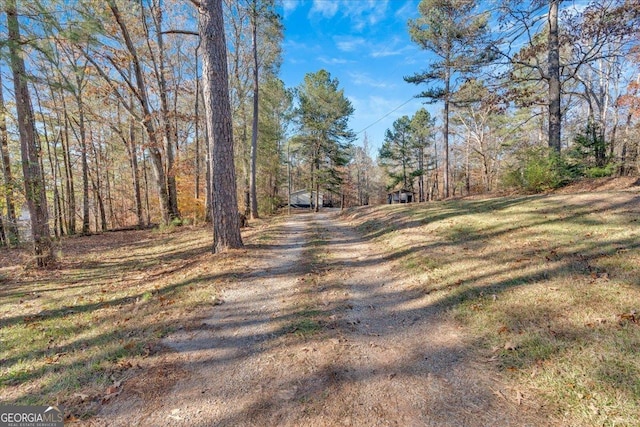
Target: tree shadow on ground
311 387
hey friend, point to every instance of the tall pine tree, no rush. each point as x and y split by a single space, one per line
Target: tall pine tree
324 134
455 33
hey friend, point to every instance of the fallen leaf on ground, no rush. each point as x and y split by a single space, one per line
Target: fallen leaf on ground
82 396
510 346
500 394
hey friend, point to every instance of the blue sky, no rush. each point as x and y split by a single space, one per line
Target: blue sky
366 46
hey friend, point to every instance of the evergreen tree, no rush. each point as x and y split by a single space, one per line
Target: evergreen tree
422 131
455 33
397 154
324 135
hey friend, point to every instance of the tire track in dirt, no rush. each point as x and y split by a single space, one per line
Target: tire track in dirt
224 362
401 362
377 352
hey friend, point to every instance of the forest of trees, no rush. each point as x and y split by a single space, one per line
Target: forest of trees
535 94
110 112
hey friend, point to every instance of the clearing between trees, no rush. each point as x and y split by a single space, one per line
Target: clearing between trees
507 311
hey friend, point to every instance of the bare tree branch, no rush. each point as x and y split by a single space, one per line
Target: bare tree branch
187 32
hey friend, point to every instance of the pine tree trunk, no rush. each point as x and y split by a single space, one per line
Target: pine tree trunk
97 185
246 162
208 190
56 170
555 114
169 142
146 185
421 177
197 131
446 131
71 196
83 157
33 179
226 229
11 226
254 130
133 160
467 167
316 207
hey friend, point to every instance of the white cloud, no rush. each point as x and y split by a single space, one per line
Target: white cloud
332 61
393 47
363 13
289 6
349 43
383 53
360 13
325 8
291 44
364 79
408 10
389 51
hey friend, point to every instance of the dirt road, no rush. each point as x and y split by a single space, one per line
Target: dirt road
323 331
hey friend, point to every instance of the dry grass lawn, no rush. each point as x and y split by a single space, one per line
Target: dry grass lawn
546 287
73 334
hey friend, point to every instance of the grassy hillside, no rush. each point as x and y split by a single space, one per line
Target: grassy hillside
546 288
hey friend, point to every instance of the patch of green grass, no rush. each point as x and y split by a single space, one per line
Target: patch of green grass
462 233
421 263
266 238
306 327
308 320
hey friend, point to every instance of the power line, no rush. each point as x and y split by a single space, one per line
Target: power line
387 114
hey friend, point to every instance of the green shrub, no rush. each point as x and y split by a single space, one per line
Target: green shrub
537 170
601 172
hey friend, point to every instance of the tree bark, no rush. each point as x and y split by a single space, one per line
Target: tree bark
226 229
447 89
11 226
29 147
197 130
66 156
254 131
3 237
146 183
169 142
133 159
56 171
83 156
555 114
54 176
421 177
97 184
316 207
141 94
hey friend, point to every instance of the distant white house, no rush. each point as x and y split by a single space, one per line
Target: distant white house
401 196
305 199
